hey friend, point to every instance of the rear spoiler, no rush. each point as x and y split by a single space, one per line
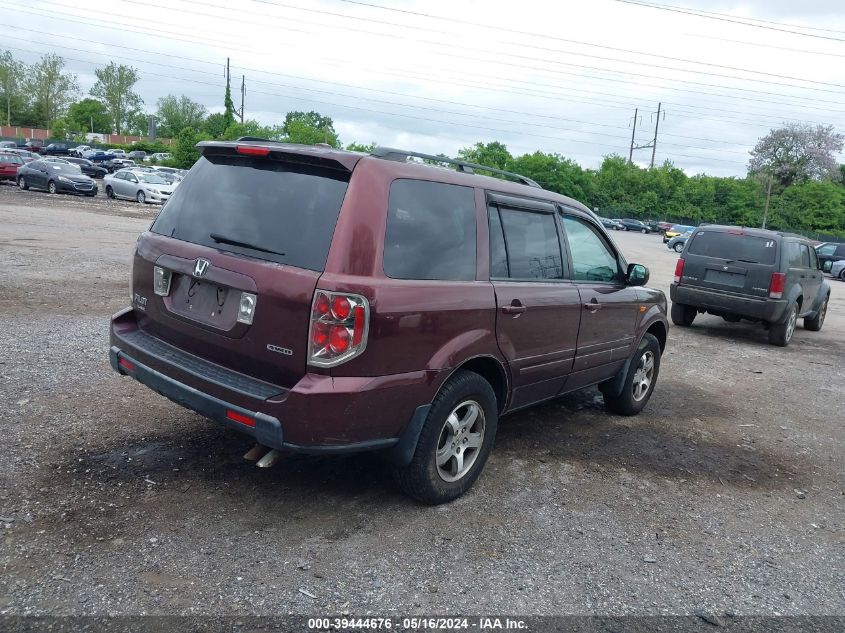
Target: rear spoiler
318 155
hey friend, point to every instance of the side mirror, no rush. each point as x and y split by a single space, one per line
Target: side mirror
637 275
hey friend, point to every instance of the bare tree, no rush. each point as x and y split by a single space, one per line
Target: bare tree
797 153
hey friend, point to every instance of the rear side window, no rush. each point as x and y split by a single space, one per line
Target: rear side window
279 211
532 245
430 231
734 247
792 254
840 250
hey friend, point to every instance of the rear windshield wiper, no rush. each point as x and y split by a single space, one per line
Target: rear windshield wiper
222 239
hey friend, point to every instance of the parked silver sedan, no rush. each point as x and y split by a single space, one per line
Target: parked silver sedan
142 186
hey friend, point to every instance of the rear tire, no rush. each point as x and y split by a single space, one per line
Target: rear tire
781 333
463 413
639 381
842 274
683 315
644 231
815 324
678 247
51 187
732 318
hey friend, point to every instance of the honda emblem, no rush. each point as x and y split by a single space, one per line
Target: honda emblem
200 267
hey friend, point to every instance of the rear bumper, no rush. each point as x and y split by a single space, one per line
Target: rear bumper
319 414
771 310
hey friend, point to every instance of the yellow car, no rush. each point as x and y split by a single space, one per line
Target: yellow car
675 231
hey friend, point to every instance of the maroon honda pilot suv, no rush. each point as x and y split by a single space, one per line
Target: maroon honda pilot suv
326 302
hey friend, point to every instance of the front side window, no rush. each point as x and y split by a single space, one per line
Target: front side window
430 231
532 245
592 258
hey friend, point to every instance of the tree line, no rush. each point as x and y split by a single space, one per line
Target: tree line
793 182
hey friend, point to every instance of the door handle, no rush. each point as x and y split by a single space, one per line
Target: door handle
592 306
514 309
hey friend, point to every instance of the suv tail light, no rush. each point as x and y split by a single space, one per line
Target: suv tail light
339 325
679 270
776 285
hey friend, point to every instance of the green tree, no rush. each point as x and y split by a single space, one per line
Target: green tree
215 125
309 128
361 147
494 154
89 115
185 154
12 72
176 113
228 105
114 88
51 88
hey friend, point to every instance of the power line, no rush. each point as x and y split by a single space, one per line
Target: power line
728 15
761 45
452 45
724 18
404 115
405 105
624 74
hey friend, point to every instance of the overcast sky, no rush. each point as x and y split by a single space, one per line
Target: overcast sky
437 75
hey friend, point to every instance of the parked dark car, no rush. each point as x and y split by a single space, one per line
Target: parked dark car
35 146
326 302
56 149
829 252
611 224
653 226
664 226
763 276
87 167
114 164
677 243
137 155
10 163
98 155
55 178
634 225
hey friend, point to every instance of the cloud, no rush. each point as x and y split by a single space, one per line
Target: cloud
548 77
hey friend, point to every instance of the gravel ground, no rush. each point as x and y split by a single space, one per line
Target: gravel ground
726 495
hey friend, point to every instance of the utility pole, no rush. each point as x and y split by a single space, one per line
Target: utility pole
633 133
768 197
654 143
243 93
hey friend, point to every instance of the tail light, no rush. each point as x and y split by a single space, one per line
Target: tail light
776 285
339 325
161 281
679 270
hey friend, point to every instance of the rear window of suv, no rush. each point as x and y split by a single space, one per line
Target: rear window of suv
734 246
279 211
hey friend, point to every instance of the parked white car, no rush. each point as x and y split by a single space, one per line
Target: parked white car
837 269
138 185
80 150
158 157
119 153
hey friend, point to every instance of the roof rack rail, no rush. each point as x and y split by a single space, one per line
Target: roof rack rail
390 153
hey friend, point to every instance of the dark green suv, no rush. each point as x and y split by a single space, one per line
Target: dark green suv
762 276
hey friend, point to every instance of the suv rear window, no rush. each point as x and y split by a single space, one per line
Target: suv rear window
286 210
734 247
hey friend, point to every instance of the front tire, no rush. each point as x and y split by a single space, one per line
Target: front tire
781 333
455 441
109 192
842 274
683 315
644 231
140 197
639 380
678 247
815 324
22 183
51 187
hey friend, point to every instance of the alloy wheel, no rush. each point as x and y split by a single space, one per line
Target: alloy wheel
644 375
460 441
